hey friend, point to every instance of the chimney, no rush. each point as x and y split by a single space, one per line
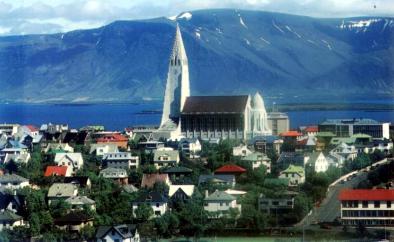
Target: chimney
206 193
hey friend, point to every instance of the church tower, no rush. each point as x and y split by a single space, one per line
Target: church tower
177 87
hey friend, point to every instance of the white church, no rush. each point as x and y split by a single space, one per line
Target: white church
220 117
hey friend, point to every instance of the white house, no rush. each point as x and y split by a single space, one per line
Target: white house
118 233
155 200
319 162
191 147
101 149
74 160
258 159
219 203
123 160
163 158
241 150
13 181
349 152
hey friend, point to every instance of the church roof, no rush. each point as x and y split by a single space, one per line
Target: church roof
215 104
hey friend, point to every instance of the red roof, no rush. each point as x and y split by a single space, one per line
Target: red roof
32 128
366 194
311 129
112 138
230 169
56 171
290 134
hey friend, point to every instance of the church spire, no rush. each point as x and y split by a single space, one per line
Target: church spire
178 49
177 87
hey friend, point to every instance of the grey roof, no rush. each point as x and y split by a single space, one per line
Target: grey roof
215 104
12 178
80 200
172 154
62 190
217 178
219 196
8 216
124 230
154 197
177 169
129 188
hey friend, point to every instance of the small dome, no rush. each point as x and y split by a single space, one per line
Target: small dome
257 101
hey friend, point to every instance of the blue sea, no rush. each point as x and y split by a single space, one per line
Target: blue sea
119 116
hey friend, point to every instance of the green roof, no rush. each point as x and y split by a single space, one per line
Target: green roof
219 196
294 169
255 156
338 140
360 135
325 134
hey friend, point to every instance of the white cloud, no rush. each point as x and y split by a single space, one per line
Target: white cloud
64 15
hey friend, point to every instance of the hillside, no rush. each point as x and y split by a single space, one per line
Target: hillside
229 51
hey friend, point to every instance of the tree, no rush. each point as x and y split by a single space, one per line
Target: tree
167 224
143 212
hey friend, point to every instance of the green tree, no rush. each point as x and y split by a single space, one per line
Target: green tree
143 212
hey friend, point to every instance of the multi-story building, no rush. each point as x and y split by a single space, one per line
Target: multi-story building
348 127
278 204
123 160
278 122
368 207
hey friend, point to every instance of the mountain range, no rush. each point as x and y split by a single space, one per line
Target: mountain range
230 52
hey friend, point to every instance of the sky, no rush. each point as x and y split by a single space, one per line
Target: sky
18 17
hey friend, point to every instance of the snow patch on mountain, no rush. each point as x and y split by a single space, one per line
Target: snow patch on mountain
292 31
266 41
277 27
186 15
358 25
328 44
241 21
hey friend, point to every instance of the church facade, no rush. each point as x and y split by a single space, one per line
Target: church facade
205 117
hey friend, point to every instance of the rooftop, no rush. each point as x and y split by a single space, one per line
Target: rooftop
215 104
230 169
290 133
356 121
294 169
366 194
12 178
56 171
124 230
219 196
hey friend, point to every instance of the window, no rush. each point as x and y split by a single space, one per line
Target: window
388 204
116 240
376 204
365 204
157 205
